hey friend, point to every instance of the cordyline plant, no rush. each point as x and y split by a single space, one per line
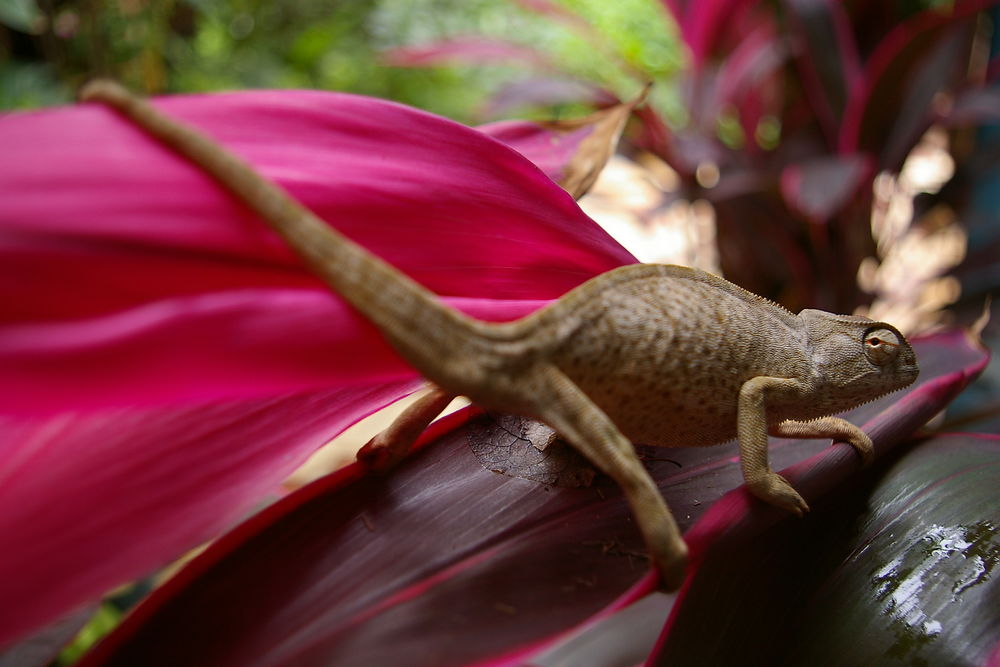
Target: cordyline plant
165 362
791 109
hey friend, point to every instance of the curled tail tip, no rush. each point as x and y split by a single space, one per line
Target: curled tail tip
103 90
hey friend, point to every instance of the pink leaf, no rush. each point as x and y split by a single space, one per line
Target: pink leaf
706 22
92 501
746 78
128 277
551 150
572 152
754 59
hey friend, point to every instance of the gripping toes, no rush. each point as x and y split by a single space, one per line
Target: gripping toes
379 455
863 446
775 490
670 559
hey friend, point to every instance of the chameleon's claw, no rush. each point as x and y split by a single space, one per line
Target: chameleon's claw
775 490
672 571
378 455
391 445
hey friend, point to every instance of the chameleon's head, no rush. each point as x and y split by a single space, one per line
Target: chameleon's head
859 359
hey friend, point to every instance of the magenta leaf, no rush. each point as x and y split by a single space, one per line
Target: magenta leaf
446 563
94 500
128 277
572 152
156 339
896 568
704 24
822 187
43 647
552 150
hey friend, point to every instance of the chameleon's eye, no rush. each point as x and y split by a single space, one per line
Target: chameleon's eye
881 346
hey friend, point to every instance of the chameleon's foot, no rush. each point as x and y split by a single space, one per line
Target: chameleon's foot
862 444
672 568
775 490
391 445
379 454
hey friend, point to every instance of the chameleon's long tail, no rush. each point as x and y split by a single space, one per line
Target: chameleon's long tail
422 329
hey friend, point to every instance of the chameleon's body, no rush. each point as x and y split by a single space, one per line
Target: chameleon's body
663 355
677 345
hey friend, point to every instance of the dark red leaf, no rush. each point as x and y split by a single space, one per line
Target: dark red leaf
745 74
974 107
444 563
890 105
539 91
828 57
898 568
920 582
820 188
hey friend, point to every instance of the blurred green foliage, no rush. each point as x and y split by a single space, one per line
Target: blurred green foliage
48 48
100 624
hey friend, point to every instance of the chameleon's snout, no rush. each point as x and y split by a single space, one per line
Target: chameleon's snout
905 368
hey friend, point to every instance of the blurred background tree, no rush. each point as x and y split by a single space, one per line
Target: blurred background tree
48 48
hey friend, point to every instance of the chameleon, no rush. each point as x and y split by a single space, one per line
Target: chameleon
658 354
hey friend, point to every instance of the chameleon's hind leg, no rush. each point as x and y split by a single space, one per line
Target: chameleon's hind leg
391 445
564 407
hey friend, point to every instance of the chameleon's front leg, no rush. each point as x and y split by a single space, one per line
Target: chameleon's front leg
564 407
752 430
